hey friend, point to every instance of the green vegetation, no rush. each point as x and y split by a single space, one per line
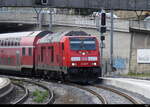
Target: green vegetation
138 74
40 96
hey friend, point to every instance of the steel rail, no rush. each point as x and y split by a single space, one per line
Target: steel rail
118 92
24 97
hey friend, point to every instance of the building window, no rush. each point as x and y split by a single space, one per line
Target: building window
23 51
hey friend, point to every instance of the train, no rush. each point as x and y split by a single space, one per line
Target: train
69 55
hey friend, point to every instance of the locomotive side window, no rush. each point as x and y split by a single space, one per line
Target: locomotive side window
30 51
42 53
23 51
62 46
52 54
82 43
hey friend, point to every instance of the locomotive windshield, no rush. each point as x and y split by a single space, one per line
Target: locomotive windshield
82 43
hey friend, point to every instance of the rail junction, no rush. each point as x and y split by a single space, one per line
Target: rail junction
102 92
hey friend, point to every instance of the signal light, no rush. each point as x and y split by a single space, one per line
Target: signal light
41 2
102 38
103 29
44 2
103 19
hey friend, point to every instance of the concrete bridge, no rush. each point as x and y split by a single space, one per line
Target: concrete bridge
95 4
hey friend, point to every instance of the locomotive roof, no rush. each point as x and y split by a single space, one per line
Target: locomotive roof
56 37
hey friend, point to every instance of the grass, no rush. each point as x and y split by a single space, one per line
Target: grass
138 74
40 96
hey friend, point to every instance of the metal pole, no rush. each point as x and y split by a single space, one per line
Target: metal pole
50 19
111 39
102 45
40 20
38 17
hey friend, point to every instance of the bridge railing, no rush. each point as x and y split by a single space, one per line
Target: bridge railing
135 24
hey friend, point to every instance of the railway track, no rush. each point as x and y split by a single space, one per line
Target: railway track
25 95
27 91
99 96
131 99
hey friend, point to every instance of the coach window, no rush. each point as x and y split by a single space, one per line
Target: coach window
15 44
5 43
12 43
30 51
23 51
2 43
8 43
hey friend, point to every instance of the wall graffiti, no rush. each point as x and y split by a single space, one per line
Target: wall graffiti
119 63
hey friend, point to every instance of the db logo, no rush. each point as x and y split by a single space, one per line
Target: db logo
84 58
84 63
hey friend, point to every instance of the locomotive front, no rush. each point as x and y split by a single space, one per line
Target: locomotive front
83 58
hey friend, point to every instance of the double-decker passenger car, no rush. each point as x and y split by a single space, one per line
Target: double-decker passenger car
71 55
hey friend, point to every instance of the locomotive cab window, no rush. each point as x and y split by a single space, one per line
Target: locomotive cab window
82 44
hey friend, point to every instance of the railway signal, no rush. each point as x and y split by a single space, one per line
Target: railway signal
41 2
103 22
102 31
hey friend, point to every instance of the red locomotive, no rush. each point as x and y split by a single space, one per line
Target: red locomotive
72 55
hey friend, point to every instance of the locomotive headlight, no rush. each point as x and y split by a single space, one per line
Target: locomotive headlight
75 59
94 63
73 64
92 58
83 53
